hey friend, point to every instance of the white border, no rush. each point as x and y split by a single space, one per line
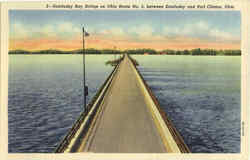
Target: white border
242 5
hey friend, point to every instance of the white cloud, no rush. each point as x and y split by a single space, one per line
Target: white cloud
48 30
18 30
189 29
218 34
117 31
201 25
171 31
60 30
114 31
67 27
201 30
142 31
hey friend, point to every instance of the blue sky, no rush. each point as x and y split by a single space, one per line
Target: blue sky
61 29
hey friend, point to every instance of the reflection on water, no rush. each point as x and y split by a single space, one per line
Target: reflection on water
201 95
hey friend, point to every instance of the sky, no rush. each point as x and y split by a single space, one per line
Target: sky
159 30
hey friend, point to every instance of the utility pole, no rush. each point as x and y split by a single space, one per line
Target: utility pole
85 88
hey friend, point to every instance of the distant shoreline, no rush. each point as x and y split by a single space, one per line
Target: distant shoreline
193 52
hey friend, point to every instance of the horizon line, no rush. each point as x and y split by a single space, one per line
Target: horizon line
119 49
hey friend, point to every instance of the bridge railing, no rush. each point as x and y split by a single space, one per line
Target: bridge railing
175 134
86 115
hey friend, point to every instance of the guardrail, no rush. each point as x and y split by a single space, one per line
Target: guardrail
175 134
86 116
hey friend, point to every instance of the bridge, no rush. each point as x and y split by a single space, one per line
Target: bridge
123 117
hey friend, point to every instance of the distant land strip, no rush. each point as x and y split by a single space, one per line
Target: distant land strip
198 51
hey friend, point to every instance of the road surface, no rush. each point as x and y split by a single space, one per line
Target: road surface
125 124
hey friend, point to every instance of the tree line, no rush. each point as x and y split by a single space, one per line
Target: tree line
198 51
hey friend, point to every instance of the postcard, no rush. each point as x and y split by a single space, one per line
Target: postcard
125 80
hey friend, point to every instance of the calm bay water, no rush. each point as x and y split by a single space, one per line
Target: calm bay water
45 97
201 95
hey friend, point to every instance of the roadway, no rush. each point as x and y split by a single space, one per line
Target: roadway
124 123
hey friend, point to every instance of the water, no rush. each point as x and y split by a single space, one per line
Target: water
201 95
45 97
